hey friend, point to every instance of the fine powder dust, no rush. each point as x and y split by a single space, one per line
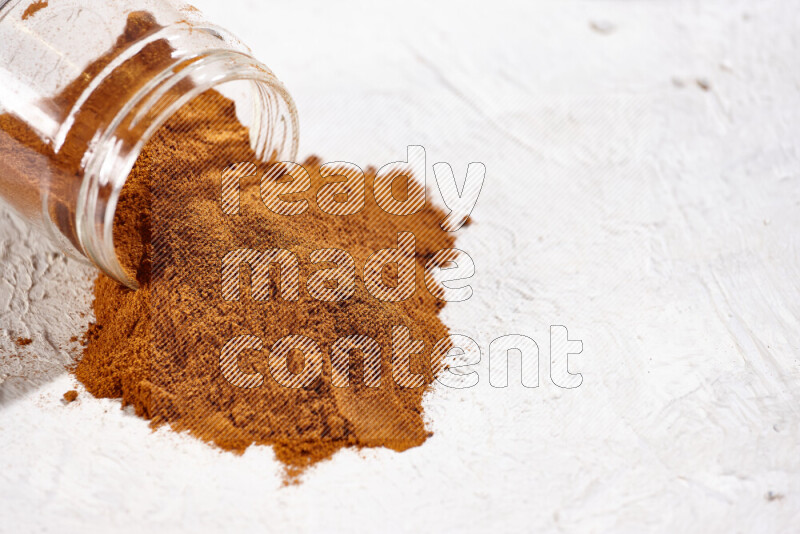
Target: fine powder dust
158 348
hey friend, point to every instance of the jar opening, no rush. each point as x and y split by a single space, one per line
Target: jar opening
261 102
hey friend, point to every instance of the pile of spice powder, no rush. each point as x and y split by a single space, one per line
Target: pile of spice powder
158 348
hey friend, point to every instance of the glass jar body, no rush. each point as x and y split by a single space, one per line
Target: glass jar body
84 85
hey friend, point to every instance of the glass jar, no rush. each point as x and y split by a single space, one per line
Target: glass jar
84 85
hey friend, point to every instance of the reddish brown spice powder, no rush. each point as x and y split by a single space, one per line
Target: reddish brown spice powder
158 348
34 8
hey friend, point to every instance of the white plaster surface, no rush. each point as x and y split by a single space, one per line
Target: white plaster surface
656 219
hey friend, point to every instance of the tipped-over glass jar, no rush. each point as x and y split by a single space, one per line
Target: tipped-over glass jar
84 85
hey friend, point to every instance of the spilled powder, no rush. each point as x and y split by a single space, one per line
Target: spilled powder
158 348
34 8
70 396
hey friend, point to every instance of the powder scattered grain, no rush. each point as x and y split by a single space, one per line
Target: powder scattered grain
33 8
158 348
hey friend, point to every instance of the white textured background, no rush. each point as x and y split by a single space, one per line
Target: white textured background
657 219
